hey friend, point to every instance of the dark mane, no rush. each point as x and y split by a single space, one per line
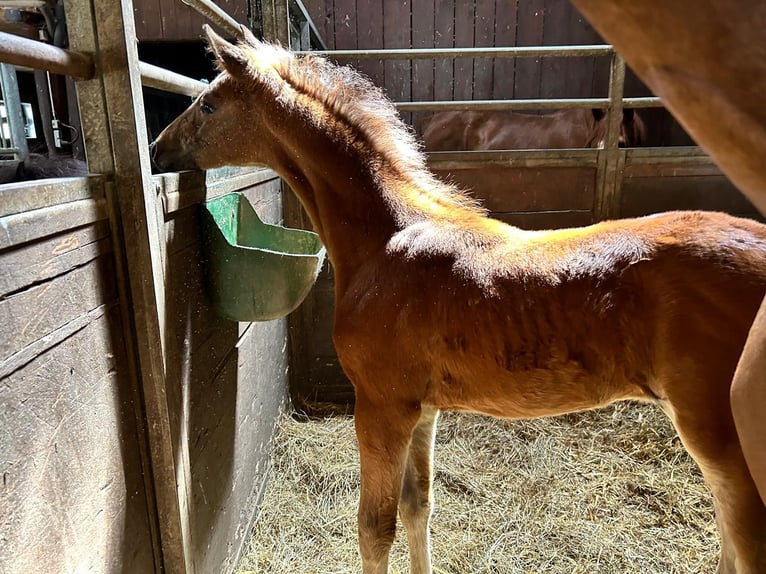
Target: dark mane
352 99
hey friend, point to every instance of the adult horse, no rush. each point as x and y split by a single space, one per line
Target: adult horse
440 307
485 130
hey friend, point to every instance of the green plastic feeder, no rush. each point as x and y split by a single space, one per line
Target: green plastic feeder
256 271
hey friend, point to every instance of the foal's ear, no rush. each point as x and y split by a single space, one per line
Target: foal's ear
229 56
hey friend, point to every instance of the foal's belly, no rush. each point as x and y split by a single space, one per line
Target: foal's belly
491 389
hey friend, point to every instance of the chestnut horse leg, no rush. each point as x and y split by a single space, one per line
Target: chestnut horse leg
748 397
383 430
711 439
417 499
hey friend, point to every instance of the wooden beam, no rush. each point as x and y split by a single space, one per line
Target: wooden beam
117 145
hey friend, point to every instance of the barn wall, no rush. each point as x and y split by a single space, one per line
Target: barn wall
226 381
73 495
174 20
376 24
77 484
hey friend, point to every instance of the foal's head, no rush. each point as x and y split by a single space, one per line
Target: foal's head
224 125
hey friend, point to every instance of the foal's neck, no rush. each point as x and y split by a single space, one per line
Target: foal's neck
340 190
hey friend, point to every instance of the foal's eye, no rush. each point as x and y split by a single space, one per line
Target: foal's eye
206 108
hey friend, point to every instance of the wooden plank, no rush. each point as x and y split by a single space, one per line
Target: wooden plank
530 21
35 312
40 261
148 20
23 227
73 494
484 36
396 34
230 427
24 196
345 25
504 69
369 27
528 189
422 70
578 72
555 33
464 38
644 195
444 37
117 143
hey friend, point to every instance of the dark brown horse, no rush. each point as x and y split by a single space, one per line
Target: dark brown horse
440 307
485 130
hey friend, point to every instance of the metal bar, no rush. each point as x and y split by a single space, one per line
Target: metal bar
648 102
537 104
13 110
299 7
30 53
439 53
216 15
162 79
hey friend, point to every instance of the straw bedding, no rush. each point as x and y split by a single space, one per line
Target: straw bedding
608 491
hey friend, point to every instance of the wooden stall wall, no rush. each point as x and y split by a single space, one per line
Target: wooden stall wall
226 381
73 496
76 491
173 20
376 24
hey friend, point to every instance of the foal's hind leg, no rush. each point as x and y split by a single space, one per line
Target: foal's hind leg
416 499
383 431
709 435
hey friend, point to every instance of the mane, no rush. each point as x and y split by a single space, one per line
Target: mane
347 95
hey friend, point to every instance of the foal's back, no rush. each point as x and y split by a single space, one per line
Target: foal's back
522 324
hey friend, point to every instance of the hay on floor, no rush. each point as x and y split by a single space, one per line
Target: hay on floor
608 491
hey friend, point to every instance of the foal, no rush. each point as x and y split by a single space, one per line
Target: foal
440 307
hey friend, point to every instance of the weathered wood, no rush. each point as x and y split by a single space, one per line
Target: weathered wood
125 154
230 425
26 226
643 195
73 497
528 189
38 261
24 196
35 312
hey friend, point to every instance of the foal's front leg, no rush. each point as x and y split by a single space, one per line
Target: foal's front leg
383 432
416 498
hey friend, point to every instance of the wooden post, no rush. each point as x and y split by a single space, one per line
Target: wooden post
116 145
611 159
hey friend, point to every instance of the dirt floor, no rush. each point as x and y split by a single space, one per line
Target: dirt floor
609 491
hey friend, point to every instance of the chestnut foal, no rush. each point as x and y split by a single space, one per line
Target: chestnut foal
440 307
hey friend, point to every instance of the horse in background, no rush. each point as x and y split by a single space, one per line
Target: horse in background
39 166
494 130
440 307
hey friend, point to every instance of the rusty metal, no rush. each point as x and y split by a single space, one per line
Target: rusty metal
162 79
216 15
32 54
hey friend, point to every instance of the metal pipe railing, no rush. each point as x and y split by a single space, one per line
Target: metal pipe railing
216 15
442 53
33 54
162 79
530 104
